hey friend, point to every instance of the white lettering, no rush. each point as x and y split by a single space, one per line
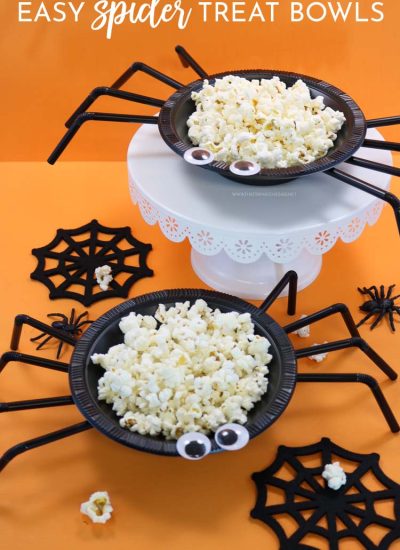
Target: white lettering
115 13
220 10
205 8
76 11
237 12
111 13
58 8
272 6
101 20
22 12
340 11
42 12
297 14
257 12
58 13
360 19
375 9
313 18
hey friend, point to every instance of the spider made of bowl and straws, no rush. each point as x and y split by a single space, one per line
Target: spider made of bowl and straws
282 379
380 304
174 112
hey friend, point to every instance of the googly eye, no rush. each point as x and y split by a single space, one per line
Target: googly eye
193 446
198 155
244 168
232 437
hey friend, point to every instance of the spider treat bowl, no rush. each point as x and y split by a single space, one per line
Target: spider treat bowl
172 124
174 113
105 332
282 376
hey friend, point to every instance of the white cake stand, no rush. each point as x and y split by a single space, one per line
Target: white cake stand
245 237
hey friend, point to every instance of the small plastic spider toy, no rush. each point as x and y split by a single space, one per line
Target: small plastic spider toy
72 326
381 303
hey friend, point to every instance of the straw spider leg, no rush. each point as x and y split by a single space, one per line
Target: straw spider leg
14 356
354 341
139 66
120 94
105 117
22 319
114 89
386 196
371 165
65 330
188 61
42 440
381 123
290 278
361 378
60 401
81 115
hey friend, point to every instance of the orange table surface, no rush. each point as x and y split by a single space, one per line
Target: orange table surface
167 503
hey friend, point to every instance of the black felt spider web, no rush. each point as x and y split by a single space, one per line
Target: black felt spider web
78 252
345 513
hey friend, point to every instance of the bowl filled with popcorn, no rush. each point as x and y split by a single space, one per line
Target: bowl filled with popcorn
258 127
262 127
183 372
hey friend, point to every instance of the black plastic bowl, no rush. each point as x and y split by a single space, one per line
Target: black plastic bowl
104 333
172 123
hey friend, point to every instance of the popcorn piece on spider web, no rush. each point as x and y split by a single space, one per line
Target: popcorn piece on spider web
103 276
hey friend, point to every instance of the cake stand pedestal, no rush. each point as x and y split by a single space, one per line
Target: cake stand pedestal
245 237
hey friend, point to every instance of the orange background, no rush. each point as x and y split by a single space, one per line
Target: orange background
47 69
166 503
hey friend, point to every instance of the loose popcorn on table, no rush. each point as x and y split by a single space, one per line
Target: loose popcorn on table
263 121
103 276
334 475
303 332
98 508
318 357
188 368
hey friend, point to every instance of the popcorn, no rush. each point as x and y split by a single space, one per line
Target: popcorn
334 475
103 276
318 357
98 508
303 332
263 121
196 370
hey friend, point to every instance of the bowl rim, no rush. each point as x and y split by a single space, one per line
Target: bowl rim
167 127
90 407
